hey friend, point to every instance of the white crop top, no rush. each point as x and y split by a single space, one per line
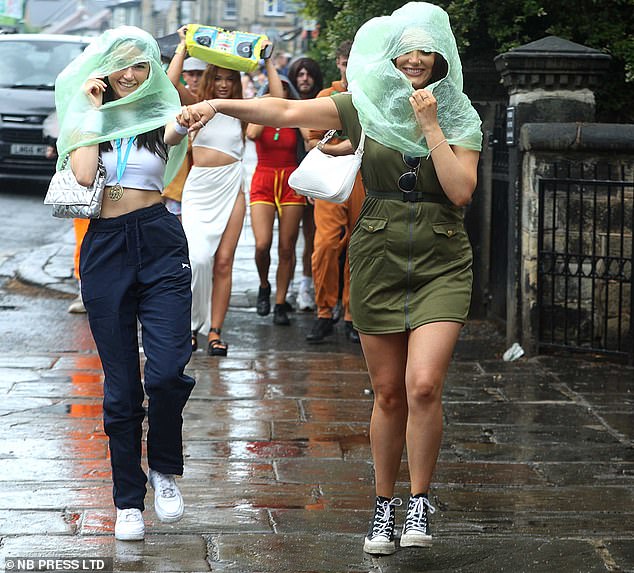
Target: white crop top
145 170
223 133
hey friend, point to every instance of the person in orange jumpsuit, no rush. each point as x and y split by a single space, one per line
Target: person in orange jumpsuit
333 226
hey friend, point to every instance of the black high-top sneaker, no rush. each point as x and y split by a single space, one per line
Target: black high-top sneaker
416 532
380 538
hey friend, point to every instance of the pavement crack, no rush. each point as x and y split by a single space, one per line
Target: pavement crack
580 400
302 411
272 521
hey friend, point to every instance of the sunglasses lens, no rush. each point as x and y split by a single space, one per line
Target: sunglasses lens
407 182
411 162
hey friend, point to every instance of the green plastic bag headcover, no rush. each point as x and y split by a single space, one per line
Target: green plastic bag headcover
380 92
153 104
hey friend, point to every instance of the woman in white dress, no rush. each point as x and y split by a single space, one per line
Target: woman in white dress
213 207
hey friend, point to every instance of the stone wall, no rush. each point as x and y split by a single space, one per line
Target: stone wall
586 260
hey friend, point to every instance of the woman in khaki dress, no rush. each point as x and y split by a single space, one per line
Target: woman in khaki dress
410 258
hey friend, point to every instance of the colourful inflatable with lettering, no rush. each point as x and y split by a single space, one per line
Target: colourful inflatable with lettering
240 51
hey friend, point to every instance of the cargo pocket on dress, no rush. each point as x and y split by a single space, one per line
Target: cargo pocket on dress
450 241
368 239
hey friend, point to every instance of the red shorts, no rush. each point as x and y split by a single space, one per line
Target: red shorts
270 187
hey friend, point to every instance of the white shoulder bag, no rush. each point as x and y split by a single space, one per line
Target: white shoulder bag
328 177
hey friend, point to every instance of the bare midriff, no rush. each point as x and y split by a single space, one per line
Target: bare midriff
132 200
207 157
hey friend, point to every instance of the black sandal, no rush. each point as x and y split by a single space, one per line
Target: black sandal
194 341
216 346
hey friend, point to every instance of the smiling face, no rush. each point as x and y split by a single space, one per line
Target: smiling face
417 67
128 80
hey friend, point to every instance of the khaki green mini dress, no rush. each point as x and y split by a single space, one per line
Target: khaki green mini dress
410 262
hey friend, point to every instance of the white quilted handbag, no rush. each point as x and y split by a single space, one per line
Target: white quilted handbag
328 177
72 200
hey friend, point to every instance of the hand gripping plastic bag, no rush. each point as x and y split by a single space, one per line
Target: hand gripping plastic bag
240 51
380 92
154 104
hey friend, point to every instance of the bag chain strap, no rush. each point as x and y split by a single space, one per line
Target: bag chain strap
329 134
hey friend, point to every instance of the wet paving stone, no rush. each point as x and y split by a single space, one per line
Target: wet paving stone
38 449
301 553
27 362
535 474
242 410
324 410
158 553
616 472
61 390
55 495
260 449
315 390
197 517
319 430
249 495
319 519
204 429
564 413
37 522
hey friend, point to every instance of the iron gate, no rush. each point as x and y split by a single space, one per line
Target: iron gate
585 259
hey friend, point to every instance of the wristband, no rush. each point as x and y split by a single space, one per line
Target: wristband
180 129
93 122
179 49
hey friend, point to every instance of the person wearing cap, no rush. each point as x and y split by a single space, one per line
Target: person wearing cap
410 257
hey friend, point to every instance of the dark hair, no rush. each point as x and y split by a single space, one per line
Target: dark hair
344 49
440 69
314 71
153 140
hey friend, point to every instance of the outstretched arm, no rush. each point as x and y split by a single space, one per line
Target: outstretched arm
319 113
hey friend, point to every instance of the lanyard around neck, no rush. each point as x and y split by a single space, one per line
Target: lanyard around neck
121 165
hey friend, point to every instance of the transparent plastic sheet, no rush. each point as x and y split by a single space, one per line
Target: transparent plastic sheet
380 92
154 104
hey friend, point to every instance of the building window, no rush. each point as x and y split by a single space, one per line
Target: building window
231 10
274 7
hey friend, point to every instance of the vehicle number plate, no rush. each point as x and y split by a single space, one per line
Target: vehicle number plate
27 149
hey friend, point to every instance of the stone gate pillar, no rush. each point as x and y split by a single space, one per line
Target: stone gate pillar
549 80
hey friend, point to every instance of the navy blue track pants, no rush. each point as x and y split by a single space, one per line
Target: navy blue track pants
136 266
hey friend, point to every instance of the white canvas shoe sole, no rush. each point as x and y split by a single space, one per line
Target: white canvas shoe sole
379 546
415 539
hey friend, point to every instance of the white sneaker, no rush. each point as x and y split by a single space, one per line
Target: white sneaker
305 301
129 525
77 306
168 501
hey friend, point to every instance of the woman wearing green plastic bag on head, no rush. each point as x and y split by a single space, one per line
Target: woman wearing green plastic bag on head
410 258
115 103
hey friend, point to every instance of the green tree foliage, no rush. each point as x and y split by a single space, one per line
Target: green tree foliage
485 28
